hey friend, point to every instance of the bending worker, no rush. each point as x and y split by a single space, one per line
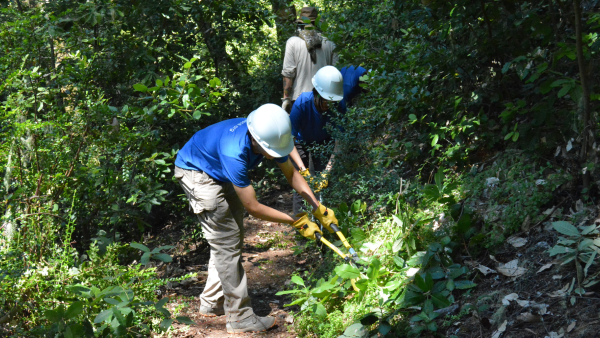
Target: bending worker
310 114
212 167
352 86
305 54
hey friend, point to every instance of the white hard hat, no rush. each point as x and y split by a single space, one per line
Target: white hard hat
328 81
270 126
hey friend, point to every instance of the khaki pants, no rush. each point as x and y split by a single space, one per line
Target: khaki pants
221 214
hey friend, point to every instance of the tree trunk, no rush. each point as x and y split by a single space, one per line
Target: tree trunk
585 114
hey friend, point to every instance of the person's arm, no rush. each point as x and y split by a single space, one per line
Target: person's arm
248 197
289 74
287 87
332 158
298 183
295 156
287 94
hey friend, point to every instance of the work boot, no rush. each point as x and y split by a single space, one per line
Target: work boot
253 323
208 311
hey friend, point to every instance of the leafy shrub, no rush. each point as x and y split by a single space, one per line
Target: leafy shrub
509 193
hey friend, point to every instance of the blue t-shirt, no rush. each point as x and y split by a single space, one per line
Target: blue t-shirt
223 151
307 123
351 77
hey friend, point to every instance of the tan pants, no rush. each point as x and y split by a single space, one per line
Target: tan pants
221 214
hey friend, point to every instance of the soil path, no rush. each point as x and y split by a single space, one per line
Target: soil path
268 260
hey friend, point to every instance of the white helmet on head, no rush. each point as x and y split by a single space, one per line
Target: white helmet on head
270 126
328 81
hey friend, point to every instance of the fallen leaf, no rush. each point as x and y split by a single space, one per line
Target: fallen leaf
571 326
494 259
528 317
523 303
555 335
508 298
500 330
557 277
511 269
485 270
560 293
517 242
542 309
545 267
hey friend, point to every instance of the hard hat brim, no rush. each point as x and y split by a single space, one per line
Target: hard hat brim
277 153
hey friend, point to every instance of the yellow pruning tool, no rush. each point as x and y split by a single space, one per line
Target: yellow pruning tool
349 258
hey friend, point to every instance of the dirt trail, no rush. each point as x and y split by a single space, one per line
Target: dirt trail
268 261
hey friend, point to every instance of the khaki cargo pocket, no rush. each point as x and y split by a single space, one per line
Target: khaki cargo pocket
178 173
204 193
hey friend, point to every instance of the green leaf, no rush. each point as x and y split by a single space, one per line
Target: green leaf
297 280
346 271
464 284
399 261
412 117
506 67
509 135
564 90
140 87
103 316
163 257
139 247
384 328
187 65
373 270
145 258
356 330
161 303
515 136
397 245
559 82
197 114
420 283
319 310
565 228
74 310
53 316
185 320
166 324
450 285
440 301
558 249
435 139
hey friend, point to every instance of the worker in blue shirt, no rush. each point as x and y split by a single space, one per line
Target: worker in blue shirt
212 168
352 87
309 116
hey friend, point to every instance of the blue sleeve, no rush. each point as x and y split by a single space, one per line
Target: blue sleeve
236 170
296 119
281 159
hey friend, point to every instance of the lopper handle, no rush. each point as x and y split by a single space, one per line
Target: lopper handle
344 240
331 246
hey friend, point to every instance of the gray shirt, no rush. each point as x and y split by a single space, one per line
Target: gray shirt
297 63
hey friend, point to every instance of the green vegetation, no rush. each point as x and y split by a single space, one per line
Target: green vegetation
477 117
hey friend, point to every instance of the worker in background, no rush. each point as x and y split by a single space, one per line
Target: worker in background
305 54
310 114
352 86
212 167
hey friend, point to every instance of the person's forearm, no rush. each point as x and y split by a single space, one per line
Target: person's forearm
332 157
269 214
299 184
287 87
295 156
